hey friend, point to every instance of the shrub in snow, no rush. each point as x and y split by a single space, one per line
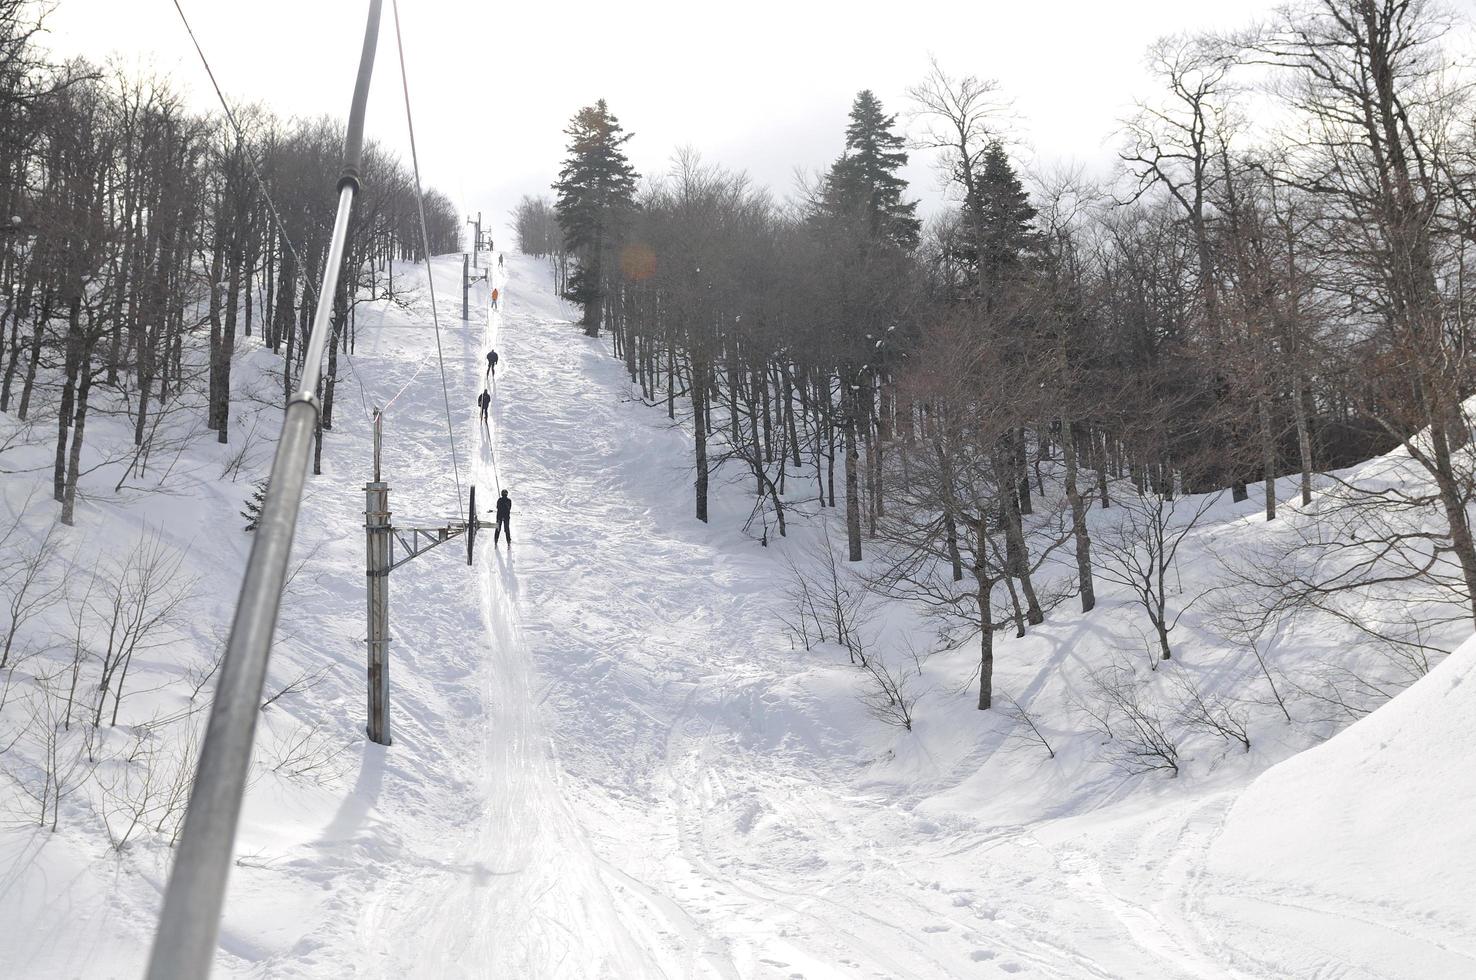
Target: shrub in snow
1125 712
891 693
1027 726
1212 713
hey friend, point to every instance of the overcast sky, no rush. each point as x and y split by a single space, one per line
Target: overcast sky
760 86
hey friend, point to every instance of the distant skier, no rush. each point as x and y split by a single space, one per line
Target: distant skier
499 261
484 400
494 297
504 514
491 362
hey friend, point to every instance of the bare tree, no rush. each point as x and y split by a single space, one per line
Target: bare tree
28 585
826 598
961 118
1140 552
1125 712
1027 726
62 760
1376 120
1210 712
142 595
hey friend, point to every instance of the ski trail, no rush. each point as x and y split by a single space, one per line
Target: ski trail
615 773
518 892
580 915
701 779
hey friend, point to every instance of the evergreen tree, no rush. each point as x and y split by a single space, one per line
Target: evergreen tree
863 184
1004 239
596 194
254 503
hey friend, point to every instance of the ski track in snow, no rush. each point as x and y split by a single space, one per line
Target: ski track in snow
621 776
610 761
645 801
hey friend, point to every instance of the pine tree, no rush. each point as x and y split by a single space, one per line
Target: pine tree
863 183
1004 240
596 194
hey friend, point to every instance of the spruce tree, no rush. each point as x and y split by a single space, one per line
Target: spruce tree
863 184
596 194
1005 239
254 503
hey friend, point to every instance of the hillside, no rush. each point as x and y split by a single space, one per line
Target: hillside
611 757
1356 851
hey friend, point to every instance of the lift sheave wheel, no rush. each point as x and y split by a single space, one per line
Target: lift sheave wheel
471 523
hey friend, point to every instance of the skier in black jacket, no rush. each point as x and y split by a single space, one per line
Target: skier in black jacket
484 400
504 514
491 362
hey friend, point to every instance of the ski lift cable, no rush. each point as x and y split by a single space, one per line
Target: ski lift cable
265 194
492 442
425 243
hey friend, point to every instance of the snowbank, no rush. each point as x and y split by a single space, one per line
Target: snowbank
1359 850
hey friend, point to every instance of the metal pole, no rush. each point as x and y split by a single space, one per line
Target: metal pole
465 286
184 944
376 571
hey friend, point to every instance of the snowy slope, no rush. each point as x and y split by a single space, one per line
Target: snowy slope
323 808
611 761
1358 852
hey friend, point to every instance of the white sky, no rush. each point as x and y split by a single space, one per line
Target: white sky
758 85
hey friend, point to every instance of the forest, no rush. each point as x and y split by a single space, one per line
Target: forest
147 249
146 245
1274 283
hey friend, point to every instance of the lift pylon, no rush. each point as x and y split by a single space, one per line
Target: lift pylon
382 557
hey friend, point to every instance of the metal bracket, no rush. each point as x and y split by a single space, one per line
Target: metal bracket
309 398
419 541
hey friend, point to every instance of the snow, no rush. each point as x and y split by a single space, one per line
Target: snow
1358 851
609 759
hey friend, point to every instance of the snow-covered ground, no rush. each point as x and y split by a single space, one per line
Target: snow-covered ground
610 761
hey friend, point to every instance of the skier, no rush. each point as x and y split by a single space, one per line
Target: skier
491 362
504 513
484 400
494 297
499 261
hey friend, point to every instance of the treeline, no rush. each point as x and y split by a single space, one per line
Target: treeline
537 227
1241 303
140 246
538 233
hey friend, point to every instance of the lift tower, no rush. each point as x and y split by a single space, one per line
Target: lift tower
381 537
477 241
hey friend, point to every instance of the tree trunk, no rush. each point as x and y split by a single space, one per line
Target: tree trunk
950 536
1078 519
38 331
1304 435
984 587
217 355
79 424
1268 452
228 348
1021 470
1019 559
699 417
853 498
68 396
